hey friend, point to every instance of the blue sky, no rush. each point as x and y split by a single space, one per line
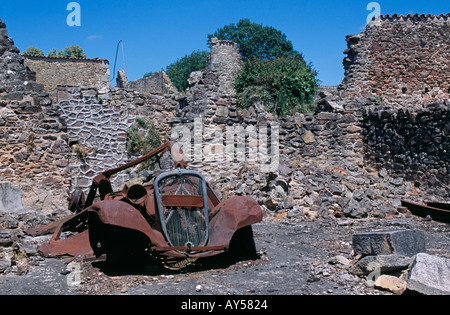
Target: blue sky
157 33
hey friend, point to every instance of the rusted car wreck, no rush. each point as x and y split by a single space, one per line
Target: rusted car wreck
176 218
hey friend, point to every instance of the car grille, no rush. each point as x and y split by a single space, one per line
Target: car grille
185 226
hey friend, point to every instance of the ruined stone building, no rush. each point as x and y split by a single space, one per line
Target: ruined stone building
390 113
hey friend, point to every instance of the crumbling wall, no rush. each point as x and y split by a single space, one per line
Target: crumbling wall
34 151
397 75
273 147
15 77
349 158
158 83
54 71
33 141
403 61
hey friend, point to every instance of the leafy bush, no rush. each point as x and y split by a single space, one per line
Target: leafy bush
33 51
73 51
180 70
148 74
285 85
142 138
53 53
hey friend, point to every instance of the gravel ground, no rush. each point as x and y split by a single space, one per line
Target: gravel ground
295 260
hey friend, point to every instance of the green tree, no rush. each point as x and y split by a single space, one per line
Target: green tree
256 41
180 70
273 72
284 85
33 51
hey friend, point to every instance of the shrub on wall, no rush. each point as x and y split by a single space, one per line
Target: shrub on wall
73 51
33 51
285 85
142 138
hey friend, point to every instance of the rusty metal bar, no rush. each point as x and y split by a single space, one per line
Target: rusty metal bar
438 214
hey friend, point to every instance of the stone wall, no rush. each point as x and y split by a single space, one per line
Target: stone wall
366 146
33 142
54 71
403 61
15 77
97 133
396 73
34 152
158 83
328 140
344 159
98 123
411 144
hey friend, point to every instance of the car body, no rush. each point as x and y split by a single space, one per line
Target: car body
177 217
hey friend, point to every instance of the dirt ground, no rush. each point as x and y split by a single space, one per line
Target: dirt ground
294 260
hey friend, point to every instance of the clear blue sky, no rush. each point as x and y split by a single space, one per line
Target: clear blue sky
157 33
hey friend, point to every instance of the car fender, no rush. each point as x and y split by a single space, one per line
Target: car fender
122 214
231 215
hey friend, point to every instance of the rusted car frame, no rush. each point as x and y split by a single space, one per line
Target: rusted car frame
177 217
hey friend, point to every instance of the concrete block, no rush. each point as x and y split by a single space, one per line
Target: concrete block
430 275
399 242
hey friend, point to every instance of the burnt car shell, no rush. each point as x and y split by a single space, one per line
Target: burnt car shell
179 216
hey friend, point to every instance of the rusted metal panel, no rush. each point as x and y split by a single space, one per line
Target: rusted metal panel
77 245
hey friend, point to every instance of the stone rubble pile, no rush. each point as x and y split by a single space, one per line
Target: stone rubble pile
396 261
310 191
18 252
